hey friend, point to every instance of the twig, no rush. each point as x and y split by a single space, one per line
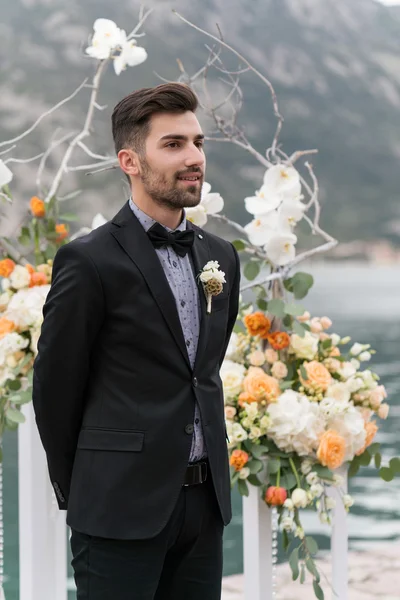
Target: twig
23 160
103 163
92 154
142 19
45 114
45 156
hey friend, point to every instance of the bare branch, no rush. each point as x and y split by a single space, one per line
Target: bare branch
92 154
142 19
103 163
45 114
8 150
45 156
12 252
23 160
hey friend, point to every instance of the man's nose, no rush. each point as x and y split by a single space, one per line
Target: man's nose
195 157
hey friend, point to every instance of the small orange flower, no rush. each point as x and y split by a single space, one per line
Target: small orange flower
279 340
37 207
6 326
62 232
370 429
245 398
38 279
334 352
6 267
261 386
331 450
275 496
257 324
239 458
30 269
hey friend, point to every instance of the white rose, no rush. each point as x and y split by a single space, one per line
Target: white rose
316 490
354 384
5 284
206 276
244 473
252 410
287 523
356 349
304 347
238 433
255 433
335 339
347 370
211 265
219 276
324 518
4 300
338 391
312 478
356 363
232 375
20 277
306 466
299 498
365 356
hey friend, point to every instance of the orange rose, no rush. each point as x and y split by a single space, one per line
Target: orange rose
331 450
370 429
238 459
38 279
6 267
257 324
275 496
62 232
245 398
279 340
261 386
6 326
29 268
37 207
318 376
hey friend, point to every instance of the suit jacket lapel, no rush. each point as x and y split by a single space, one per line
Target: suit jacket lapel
201 255
132 238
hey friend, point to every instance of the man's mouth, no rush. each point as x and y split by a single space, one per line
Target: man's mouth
191 178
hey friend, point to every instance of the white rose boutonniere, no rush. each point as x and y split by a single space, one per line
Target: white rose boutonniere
212 279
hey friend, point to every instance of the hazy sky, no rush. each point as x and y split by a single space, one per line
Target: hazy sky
389 2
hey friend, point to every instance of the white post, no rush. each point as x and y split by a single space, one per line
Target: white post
339 543
257 547
42 528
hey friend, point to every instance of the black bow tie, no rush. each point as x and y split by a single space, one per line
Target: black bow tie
180 241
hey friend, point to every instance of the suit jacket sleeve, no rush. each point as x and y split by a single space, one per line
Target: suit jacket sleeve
233 304
73 314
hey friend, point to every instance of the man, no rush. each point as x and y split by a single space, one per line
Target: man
127 392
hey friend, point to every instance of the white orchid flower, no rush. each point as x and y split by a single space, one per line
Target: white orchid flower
280 248
290 213
5 174
262 229
131 55
98 220
283 180
210 204
107 36
263 202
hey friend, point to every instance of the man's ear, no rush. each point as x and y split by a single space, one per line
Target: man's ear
129 162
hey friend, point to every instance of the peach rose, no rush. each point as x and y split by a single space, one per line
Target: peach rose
6 326
257 324
325 322
334 352
275 496
331 450
279 340
245 398
332 364
370 429
279 370
239 458
37 207
256 358
230 412
377 396
324 336
260 385
318 376
6 267
271 356
62 231
304 317
315 325
383 411
38 279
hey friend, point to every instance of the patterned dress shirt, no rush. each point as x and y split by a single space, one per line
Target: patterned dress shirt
180 276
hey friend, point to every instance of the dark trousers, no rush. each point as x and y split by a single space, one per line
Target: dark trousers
183 562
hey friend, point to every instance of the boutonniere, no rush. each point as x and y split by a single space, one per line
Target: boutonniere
212 279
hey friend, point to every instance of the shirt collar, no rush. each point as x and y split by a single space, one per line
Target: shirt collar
147 222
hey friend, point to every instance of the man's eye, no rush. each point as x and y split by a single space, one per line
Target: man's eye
173 145
200 145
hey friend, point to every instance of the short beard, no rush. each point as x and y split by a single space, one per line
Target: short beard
157 187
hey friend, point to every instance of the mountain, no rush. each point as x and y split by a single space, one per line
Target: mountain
335 66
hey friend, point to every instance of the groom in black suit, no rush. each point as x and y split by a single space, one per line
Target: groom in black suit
127 392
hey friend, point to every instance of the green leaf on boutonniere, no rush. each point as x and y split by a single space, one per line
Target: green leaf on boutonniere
243 487
277 308
251 270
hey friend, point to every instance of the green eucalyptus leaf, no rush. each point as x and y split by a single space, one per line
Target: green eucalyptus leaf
318 590
243 487
310 564
258 450
251 270
354 467
299 329
394 465
255 466
15 416
365 458
273 465
295 310
303 372
302 573
301 284
294 563
323 472
311 545
277 308
239 245
386 474
70 217
253 480
262 304
378 460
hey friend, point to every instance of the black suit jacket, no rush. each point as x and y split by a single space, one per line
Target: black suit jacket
113 389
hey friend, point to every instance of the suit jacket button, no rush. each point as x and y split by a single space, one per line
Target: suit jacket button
189 429
195 382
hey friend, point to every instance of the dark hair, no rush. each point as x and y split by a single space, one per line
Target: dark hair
131 116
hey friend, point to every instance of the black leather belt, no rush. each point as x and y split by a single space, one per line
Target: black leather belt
196 473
